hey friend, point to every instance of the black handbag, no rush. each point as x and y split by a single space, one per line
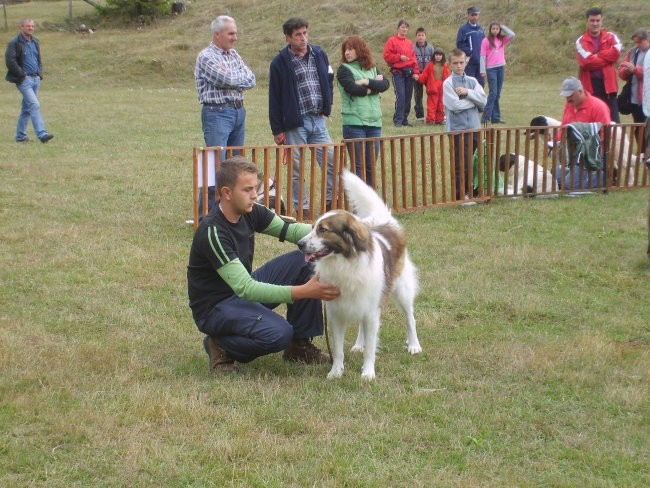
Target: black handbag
624 99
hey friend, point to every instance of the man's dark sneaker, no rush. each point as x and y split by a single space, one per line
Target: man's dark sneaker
46 138
23 140
218 358
304 351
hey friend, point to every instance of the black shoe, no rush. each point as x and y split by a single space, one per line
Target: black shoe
46 138
406 124
23 140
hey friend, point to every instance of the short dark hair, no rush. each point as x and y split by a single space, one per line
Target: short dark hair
402 22
230 169
420 29
292 24
594 11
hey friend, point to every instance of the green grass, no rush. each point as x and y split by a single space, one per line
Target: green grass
533 314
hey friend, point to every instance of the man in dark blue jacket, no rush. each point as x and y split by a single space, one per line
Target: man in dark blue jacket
469 38
24 68
301 88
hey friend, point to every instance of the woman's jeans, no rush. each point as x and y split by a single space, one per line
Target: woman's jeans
370 149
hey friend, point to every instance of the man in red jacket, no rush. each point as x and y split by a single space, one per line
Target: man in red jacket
597 52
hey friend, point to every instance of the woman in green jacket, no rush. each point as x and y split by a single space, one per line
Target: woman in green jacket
360 84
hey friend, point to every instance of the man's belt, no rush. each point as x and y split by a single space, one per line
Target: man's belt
230 103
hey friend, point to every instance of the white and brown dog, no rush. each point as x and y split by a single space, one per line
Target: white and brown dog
531 178
364 254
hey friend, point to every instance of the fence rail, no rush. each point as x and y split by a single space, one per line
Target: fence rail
427 170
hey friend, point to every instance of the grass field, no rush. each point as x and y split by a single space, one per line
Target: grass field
533 315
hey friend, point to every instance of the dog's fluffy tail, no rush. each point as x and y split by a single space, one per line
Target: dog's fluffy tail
364 201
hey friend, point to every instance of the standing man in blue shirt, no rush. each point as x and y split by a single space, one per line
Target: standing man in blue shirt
24 68
469 38
221 78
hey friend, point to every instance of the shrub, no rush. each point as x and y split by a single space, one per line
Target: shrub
140 10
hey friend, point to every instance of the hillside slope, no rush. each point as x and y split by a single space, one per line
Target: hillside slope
165 51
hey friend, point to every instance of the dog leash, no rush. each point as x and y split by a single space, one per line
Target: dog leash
326 332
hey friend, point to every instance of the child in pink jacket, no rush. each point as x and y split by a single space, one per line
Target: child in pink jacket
493 64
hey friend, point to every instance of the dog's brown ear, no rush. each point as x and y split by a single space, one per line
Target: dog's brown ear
357 236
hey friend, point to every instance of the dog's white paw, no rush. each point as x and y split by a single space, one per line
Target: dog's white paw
368 374
335 372
414 348
356 348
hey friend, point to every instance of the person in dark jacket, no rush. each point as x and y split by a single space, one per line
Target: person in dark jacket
301 89
24 68
469 38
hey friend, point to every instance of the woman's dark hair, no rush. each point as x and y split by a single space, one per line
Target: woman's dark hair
439 51
491 37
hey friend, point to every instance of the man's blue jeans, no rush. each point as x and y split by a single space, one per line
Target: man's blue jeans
578 178
495 78
30 108
371 149
473 69
313 131
222 126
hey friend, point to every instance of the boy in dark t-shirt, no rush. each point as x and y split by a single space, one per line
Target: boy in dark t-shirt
232 304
